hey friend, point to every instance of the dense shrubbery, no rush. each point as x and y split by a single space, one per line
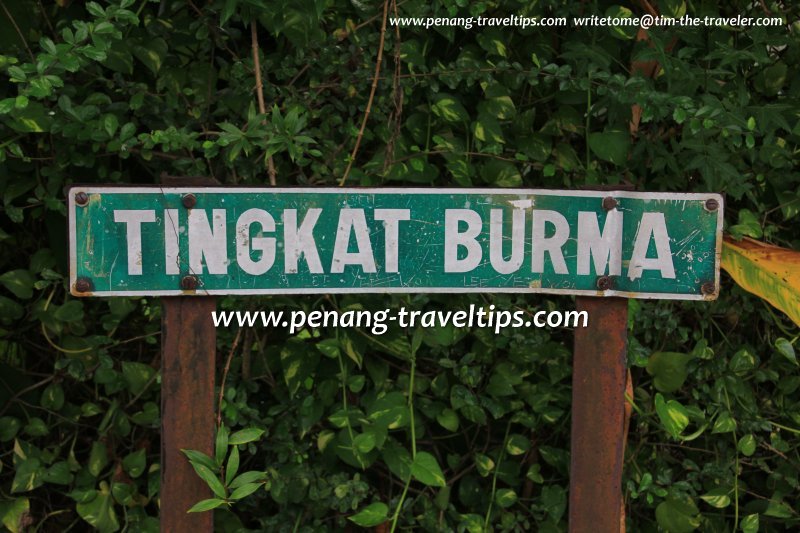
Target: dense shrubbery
123 92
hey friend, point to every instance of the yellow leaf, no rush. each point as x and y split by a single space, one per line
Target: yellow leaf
770 272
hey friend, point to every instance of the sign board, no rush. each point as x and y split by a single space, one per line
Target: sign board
162 241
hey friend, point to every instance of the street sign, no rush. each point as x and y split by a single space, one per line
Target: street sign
161 241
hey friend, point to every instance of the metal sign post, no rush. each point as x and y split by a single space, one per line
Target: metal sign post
189 240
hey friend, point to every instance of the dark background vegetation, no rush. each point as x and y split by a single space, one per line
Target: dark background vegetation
123 91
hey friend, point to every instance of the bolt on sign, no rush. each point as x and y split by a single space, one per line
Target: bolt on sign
161 241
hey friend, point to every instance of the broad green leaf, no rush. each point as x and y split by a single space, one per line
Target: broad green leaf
749 524
425 469
99 511
501 174
390 411
152 53
623 31
488 130
678 514
211 479
448 419
770 272
298 364
724 423
505 497
749 225
747 445
672 414
20 282
484 464
243 436
517 444
206 505
138 376
9 427
448 108
611 146
134 463
719 497
58 474
220 446
786 349
372 515
397 458
98 458
12 513
28 475
668 370
52 397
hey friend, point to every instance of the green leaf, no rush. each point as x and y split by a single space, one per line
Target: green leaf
668 370
624 31
748 226
298 364
245 478
211 479
389 411
28 475
448 419
672 414
425 469
206 505
52 397
245 490
611 146
137 376
71 311
220 445
488 130
749 524
110 124
786 349
505 497
243 436
9 427
152 53
372 515
448 108
99 511
747 445
98 458
20 282
484 464
13 512
134 463
718 498
58 474
233 465
724 423
678 514
200 458
501 174
517 444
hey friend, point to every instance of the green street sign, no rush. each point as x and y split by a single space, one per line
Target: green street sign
162 241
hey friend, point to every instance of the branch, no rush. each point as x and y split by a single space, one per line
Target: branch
371 96
262 108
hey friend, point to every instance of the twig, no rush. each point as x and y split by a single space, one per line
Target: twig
225 375
262 108
371 95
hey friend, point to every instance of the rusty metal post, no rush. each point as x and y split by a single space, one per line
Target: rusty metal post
188 352
598 416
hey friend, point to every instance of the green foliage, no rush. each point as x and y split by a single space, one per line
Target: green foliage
436 429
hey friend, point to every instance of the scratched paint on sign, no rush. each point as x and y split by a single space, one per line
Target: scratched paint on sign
144 241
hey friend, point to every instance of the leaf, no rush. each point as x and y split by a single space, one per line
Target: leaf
770 272
611 146
448 108
748 226
749 524
501 174
20 282
668 370
724 423
206 505
244 436
672 414
517 444
786 349
200 458
298 364
211 479
99 511
9 427
505 497
220 445
245 490
152 54
372 515
747 445
98 458
251 476
389 411
233 465
13 512
52 397
623 31
678 515
425 469
448 419
138 376
484 464
488 130
718 498
135 462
